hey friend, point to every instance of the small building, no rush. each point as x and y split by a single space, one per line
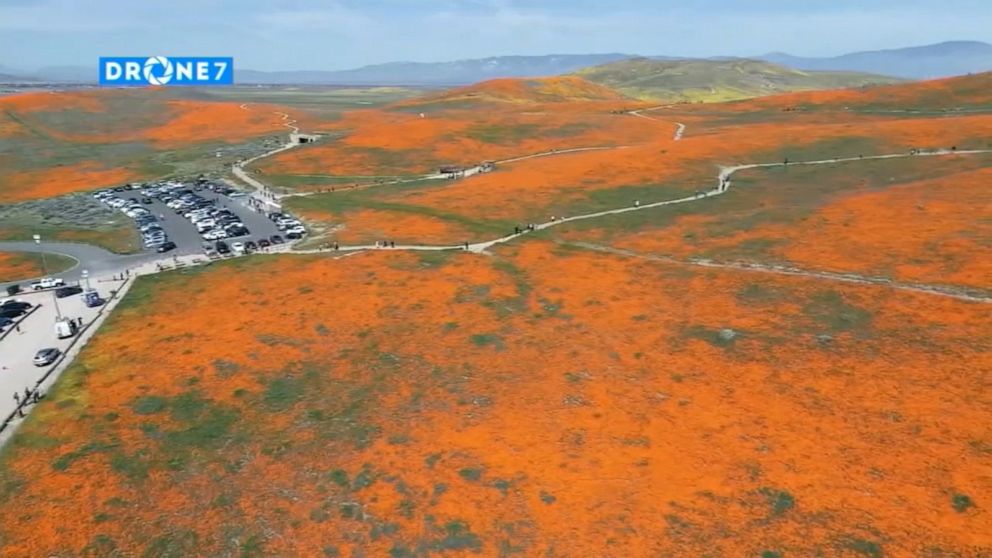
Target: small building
449 169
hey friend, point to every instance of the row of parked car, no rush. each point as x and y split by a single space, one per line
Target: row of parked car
212 222
10 310
293 228
153 236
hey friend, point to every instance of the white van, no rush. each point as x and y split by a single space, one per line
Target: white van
65 328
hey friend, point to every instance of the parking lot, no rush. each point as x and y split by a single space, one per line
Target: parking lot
36 331
169 225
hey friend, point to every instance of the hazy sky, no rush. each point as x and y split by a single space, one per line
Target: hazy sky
337 34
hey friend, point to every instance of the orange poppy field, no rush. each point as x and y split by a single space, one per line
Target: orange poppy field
400 405
55 143
16 266
648 383
609 158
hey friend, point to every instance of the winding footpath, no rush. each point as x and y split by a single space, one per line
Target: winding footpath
109 264
723 186
679 127
959 293
261 191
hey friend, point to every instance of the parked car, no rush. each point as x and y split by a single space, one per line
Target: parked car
47 283
12 304
250 246
45 357
63 292
264 243
222 247
166 246
92 299
4 322
12 312
238 247
215 234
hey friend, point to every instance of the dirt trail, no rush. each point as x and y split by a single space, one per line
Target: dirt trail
679 127
261 191
971 295
722 187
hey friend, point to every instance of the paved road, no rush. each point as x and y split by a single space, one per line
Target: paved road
17 350
94 259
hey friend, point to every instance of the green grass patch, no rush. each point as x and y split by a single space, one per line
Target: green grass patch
830 311
779 501
962 502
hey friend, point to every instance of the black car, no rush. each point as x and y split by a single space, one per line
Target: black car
169 245
222 247
293 235
12 313
276 239
235 232
4 322
250 246
264 243
63 292
275 216
15 305
146 201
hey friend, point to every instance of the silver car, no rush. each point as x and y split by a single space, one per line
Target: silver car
46 356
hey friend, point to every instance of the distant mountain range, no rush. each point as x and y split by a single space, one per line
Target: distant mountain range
923 62
937 60
459 72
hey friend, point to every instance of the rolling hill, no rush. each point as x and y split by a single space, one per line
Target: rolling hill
559 89
716 80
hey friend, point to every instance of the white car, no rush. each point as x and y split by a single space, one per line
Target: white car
47 283
215 234
204 226
297 230
238 247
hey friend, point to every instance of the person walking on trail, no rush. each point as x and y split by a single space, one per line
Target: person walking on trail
17 398
392 244
17 328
